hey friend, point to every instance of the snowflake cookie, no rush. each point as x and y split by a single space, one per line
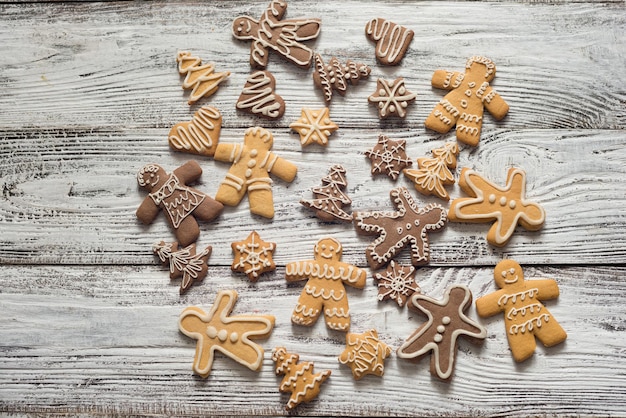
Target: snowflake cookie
388 156
365 354
391 98
253 256
314 126
397 283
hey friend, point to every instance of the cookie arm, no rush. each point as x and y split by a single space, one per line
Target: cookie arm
225 152
446 80
188 172
548 288
356 276
299 270
281 168
494 103
488 305
147 211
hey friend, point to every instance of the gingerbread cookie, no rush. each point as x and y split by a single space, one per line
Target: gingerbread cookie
300 380
392 40
271 32
329 199
217 330
184 263
365 354
202 79
252 163
253 256
446 323
409 225
391 97
507 206
464 105
324 290
397 283
335 76
258 96
388 156
182 204
198 136
434 173
314 126
525 317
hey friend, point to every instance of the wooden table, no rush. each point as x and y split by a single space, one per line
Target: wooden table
89 317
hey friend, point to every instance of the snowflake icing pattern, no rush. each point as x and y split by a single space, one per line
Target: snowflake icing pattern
253 256
314 126
388 156
397 283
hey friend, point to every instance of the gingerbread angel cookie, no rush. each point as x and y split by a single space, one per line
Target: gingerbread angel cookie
329 199
324 290
365 354
409 225
446 323
182 204
300 381
507 206
388 156
253 256
185 263
198 136
392 40
336 76
271 32
525 317
464 105
217 330
201 79
258 96
252 163
391 97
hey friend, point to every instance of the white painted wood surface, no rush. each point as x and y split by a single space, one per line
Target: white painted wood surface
88 94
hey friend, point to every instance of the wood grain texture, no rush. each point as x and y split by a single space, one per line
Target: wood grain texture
88 94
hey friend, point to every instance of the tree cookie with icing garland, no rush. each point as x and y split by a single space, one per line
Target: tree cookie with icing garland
200 78
525 317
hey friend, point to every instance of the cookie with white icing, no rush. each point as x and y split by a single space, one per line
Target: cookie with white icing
259 98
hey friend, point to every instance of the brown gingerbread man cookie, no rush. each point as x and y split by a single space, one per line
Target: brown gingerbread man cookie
182 204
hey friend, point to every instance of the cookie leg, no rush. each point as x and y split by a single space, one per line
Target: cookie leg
550 332
307 310
468 129
442 118
522 345
337 314
231 191
187 232
261 200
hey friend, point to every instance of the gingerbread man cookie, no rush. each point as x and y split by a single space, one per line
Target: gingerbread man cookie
184 263
271 32
464 105
252 163
434 173
525 317
388 156
507 206
392 40
335 76
253 256
324 290
182 204
314 126
198 136
409 225
217 330
446 323
330 198
201 79
365 354
391 97
258 96
300 380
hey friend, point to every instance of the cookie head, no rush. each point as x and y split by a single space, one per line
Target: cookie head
243 28
150 175
258 138
508 273
482 67
329 249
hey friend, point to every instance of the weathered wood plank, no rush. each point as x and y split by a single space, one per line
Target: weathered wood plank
69 196
112 64
104 340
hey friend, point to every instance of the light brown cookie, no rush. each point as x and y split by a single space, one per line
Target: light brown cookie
435 172
198 136
336 76
253 256
314 126
329 199
259 98
392 40
365 354
201 79
391 97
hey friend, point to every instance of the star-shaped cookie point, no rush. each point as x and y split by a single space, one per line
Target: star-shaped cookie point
397 283
446 323
217 330
409 225
507 205
314 126
365 354
253 256
391 98
388 156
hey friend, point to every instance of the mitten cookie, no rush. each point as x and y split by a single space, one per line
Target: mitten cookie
182 204
271 32
392 40
330 198
324 290
507 206
464 105
365 354
184 263
446 323
525 317
217 330
198 136
201 79
258 96
253 256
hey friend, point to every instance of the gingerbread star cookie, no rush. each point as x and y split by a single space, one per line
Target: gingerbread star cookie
397 283
217 330
200 78
198 136
507 205
258 96
314 126
253 256
365 354
446 323
388 156
435 172
407 226
391 97
184 263
525 317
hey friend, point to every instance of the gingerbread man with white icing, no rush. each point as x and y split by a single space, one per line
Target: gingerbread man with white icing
525 316
325 289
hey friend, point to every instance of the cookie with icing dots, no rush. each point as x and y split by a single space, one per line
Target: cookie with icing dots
391 98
